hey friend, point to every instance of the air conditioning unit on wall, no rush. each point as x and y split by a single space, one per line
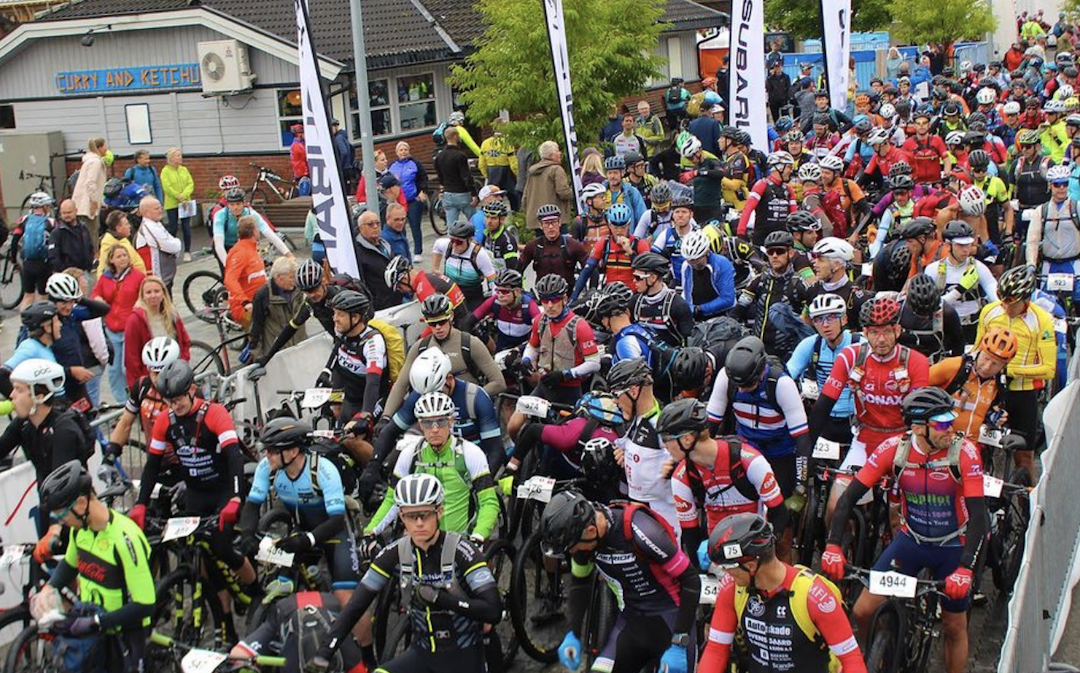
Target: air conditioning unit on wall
225 67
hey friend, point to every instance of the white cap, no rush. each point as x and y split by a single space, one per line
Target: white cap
490 190
716 108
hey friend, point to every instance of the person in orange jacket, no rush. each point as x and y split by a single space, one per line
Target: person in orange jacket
245 271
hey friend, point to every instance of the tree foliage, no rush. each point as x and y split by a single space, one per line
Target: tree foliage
802 18
610 45
944 21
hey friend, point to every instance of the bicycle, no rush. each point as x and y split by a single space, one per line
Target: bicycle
163 653
44 185
11 284
266 178
1008 503
810 529
205 289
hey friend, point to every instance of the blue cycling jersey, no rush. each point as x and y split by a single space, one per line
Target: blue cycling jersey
300 496
631 342
476 417
27 350
225 225
802 358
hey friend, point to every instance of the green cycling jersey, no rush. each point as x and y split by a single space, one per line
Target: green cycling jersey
462 468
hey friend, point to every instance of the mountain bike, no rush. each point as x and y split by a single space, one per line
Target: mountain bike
165 654
267 182
44 185
904 628
11 284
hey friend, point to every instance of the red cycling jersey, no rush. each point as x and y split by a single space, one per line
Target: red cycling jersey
720 493
929 154
879 388
881 164
613 260
200 440
773 638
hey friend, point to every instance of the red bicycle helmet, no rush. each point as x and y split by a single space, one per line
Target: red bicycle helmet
880 311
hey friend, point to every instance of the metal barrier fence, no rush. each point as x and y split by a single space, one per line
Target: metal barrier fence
1041 600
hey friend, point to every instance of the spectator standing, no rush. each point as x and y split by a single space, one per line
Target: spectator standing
298 160
118 232
592 167
153 316
90 187
706 128
158 248
142 173
459 188
675 99
722 81
118 287
393 231
648 126
414 185
614 124
390 192
777 87
179 188
70 244
372 255
892 63
548 183
245 271
382 167
343 152
274 305
498 164
628 139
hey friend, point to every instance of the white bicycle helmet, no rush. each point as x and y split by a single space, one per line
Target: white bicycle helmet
835 249
159 352
887 111
309 275
592 190
1063 92
688 145
40 372
779 160
62 287
954 138
434 405
810 173
972 200
1057 173
228 182
1054 106
456 118
878 136
1011 108
396 270
40 200
694 245
418 490
986 96
827 304
832 162
429 370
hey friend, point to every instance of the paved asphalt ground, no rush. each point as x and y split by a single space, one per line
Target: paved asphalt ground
987 620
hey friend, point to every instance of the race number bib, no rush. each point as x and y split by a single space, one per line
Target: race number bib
892 583
179 527
537 488
1060 282
710 587
530 405
826 449
992 486
269 553
315 397
202 661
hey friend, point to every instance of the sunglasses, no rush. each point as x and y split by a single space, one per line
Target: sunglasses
62 514
776 252
641 276
504 290
418 517
942 426
551 300
458 241
437 322
431 423
825 319
1060 184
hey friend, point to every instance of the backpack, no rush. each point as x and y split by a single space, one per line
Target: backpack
460 467
407 560
438 136
1073 214
312 628
85 653
631 508
341 460
35 238
961 376
395 346
739 481
669 320
673 96
466 354
776 369
82 421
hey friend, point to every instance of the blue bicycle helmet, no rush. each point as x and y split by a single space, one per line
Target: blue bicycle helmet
602 408
619 214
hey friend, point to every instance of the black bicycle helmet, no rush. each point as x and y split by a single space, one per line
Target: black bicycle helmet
632 158
893 264
741 137
899 168
917 226
629 372
863 126
902 182
285 432
461 229
951 109
651 262
689 368
437 307
351 301
234 195
682 201
309 275
508 278
548 210
780 238
802 220
682 417
552 285
746 361
822 119
615 298
1016 283
64 486
741 537
37 314
958 229
113 187
923 404
598 462
175 379
923 295
565 519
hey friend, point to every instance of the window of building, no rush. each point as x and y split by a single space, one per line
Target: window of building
403 104
290 111
674 50
138 124
7 116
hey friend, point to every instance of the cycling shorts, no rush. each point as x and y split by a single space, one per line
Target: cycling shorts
784 470
908 557
35 274
343 561
638 639
416 659
856 455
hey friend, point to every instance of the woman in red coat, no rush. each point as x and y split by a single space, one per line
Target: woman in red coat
153 316
119 288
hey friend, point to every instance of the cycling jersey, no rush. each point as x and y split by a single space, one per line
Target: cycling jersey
974 396
643 460
770 202
814 353
966 301
928 153
563 345
771 425
300 496
719 491
1054 234
146 403
57 440
561 256
892 221
514 323
758 300
665 313
1036 354
358 363
936 336
502 247
472 271
476 418
668 242
846 290
651 223
428 283
613 261
204 441
710 290
226 226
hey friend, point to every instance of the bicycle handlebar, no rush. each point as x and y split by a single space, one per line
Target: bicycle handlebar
163 640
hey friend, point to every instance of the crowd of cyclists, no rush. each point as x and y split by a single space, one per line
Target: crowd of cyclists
716 337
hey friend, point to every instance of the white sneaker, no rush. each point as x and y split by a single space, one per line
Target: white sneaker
187 256
418 260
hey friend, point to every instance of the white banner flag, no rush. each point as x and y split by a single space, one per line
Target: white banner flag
560 62
327 193
746 91
836 42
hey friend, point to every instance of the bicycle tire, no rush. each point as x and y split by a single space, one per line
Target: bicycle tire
851 544
806 531
886 641
17 617
1007 544
599 621
257 197
11 282
397 641
199 298
388 614
437 216
23 656
500 559
179 584
204 358
533 582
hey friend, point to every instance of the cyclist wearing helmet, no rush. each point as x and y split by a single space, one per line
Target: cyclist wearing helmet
772 301
736 171
597 416
854 148
885 156
832 258
469 356
638 178
708 279
899 212
226 183
309 486
929 325
1028 176
821 135
1053 136
938 477
1033 367
703 172
110 558
787 618
658 216
1010 123
32 231
667 241
920 235
964 282
999 212
448 609
879 372
656 306
976 380
556 252
227 220
500 240
144 403
41 320
1053 235
628 340
465 262
771 200
590 226
714 478
203 437
245 271
512 309
401 276
825 114
805 230
930 157
73 348
637 552
842 199
613 254
619 190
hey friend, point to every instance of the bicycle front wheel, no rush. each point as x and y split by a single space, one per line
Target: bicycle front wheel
437 215
11 285
1007 542
500 559
257 198
886 641
206 359
201 294
28 653
189 611
537 603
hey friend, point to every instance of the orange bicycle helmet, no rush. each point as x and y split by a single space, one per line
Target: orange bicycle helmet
999 342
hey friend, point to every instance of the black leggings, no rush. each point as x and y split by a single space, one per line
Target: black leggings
124 653
1023 409
416 660
637 640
